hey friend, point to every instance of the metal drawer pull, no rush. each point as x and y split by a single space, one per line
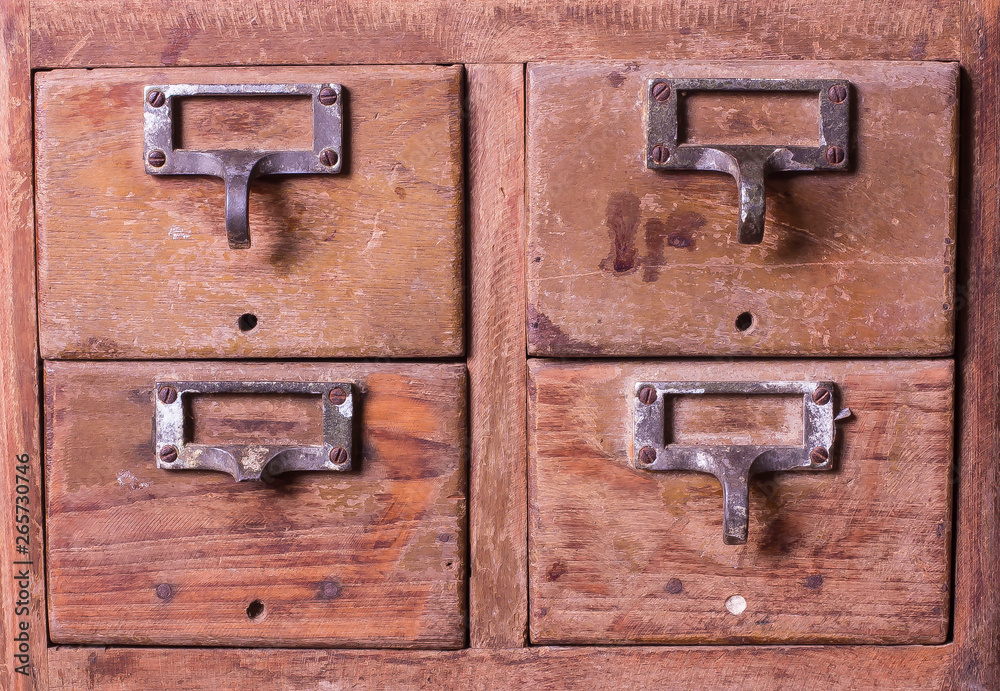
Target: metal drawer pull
733 465
238 167
253 461
749 164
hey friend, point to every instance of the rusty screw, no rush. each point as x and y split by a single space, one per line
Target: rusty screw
327 96
647 395
164 591
156 98
837 93
157 158
168 454
821 396
819 456
661 91
647 455
835 155
337 396
660 154
328 157
328 590
168 394
339 455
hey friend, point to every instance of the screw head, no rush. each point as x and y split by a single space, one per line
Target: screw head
821 396
819 456
837 93
339 456
328 590
337 395
647 395
156 98
661 91
660 154
647 455
328 157
168 454
835 155
167 394
164 591
156 158
327 96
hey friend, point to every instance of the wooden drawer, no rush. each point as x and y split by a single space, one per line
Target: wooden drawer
373 557
856 554
625 260
364 263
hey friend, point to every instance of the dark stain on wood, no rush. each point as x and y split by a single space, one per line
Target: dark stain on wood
549 338
623 224
555 571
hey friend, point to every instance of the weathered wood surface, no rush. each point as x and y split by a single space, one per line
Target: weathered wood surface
623 260
857 555
371 558
906 668
363 264
977 548
498 583
89 33
19 410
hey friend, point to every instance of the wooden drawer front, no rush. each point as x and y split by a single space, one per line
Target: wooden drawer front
859 554
624 260
373 557
365 263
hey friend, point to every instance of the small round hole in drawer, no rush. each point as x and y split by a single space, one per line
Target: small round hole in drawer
247 322
744 321
255 610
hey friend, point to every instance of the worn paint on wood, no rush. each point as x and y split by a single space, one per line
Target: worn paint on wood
22 600
362 264
92 33
370 558
977 520
498 581
623 260
748 668
857 555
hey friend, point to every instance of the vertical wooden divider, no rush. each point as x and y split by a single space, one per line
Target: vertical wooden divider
977 569
19 412
498 587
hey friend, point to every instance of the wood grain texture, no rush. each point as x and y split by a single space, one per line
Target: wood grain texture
977 548
370 558
859 555
363 264
745 668
623 260
19 411
94 33
498 585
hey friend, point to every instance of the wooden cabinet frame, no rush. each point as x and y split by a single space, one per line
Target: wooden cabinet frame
494 40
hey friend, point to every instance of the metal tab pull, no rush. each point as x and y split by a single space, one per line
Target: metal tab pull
749 164
253 461
732 464
238 167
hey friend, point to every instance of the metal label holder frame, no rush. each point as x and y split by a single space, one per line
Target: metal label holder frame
734 464
238 167
253 461
749 164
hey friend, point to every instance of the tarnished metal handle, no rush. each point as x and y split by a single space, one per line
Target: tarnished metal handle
734 464
238 167
749 164
253 461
